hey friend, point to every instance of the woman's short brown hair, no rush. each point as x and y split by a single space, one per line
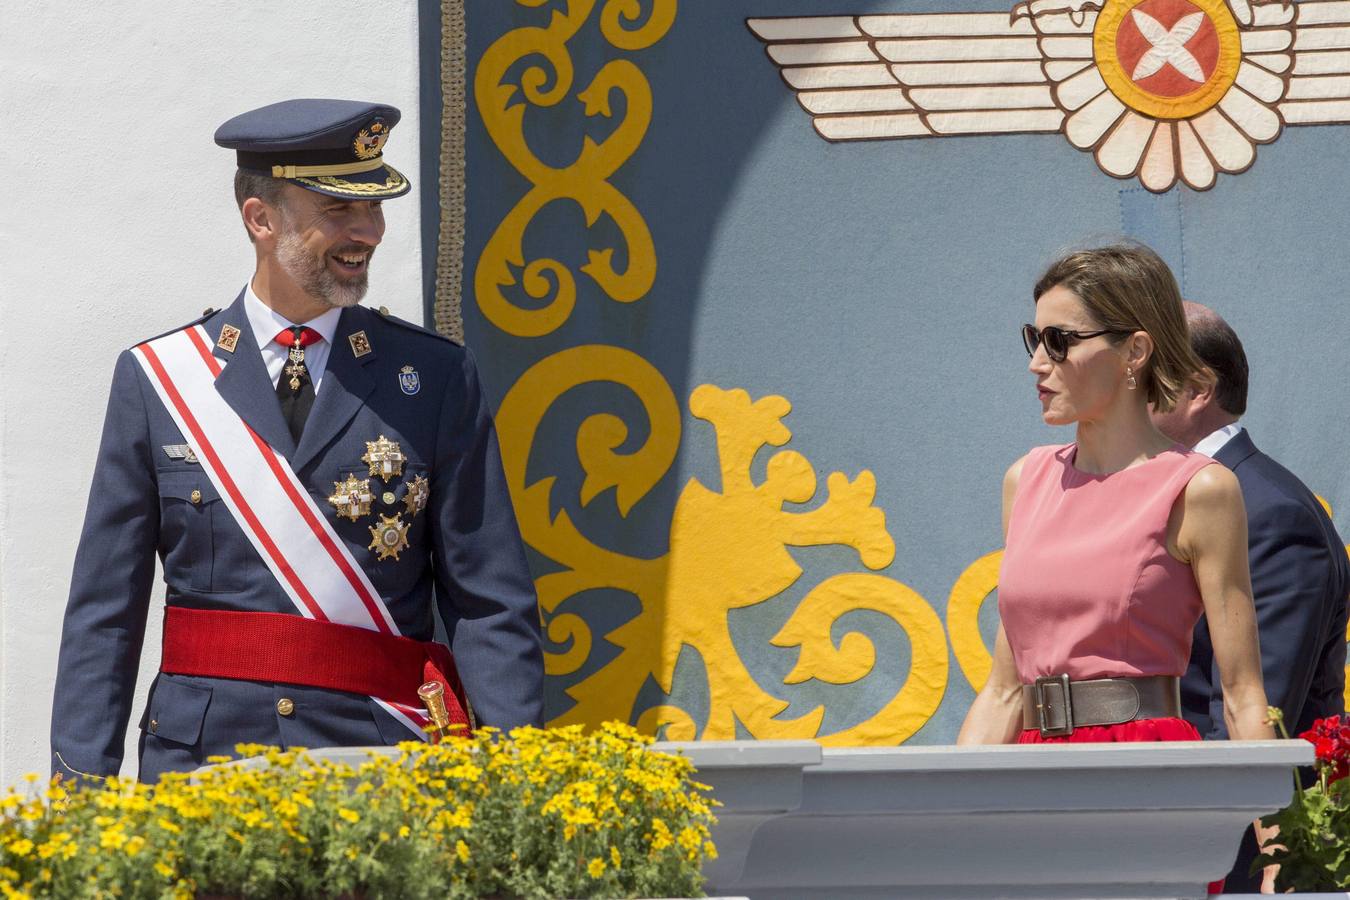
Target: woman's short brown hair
1127 287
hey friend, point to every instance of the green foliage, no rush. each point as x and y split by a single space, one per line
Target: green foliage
541 813
1314 840
1315 834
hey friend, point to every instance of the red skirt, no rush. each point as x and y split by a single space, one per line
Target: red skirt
1138 731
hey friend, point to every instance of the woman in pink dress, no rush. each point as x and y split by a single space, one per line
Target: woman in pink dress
1116 543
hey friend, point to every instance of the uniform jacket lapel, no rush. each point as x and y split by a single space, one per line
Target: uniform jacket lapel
245 384
346 384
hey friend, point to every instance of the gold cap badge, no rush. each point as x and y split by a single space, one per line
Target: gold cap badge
370 140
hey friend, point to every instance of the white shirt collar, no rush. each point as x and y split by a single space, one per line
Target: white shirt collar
267 322
1214 442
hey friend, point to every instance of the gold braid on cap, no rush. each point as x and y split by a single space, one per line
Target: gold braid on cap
365 165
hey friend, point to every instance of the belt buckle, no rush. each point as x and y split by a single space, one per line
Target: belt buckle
1043 705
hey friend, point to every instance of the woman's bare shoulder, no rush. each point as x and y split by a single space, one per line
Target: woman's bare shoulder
1213 487
1014 472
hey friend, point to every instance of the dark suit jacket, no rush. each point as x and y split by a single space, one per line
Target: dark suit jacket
464 553
1301 582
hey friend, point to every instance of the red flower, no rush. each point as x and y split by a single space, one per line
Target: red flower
1330 738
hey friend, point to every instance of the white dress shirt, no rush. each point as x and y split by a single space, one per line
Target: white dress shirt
267 324
1212 443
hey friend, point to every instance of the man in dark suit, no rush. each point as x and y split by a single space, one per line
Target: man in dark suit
1300 572
312 474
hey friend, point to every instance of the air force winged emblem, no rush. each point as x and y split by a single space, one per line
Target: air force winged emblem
1159 90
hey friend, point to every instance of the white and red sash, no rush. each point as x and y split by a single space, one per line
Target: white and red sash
274 510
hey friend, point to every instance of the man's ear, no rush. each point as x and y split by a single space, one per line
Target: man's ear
1202 385
259 219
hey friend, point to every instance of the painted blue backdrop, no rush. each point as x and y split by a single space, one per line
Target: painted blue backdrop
878 287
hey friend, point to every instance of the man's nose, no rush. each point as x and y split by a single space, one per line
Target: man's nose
367 227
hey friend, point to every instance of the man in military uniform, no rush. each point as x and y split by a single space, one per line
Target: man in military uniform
312 474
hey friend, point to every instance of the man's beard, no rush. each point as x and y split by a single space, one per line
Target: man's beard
312 274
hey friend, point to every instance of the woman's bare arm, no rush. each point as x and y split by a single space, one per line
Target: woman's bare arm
1211 535
995 717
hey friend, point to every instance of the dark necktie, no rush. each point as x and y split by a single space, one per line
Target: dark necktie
295 390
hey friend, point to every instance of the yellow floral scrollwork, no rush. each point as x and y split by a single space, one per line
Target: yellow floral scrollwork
728 550
968 594
584 181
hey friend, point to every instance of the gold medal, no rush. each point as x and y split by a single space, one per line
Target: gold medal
385 458
418 493
352 498
390 537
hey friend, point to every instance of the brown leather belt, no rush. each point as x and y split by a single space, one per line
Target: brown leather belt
1055 706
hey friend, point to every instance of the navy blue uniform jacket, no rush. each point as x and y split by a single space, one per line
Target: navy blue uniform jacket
464 553
1301 584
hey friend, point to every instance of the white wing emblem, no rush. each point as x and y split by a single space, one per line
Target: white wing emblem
1159 90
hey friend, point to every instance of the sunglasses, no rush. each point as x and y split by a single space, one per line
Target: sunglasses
1058 340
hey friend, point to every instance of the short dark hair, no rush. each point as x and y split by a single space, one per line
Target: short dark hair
248 183
1217 344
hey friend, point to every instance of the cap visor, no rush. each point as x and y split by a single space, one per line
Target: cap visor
377 184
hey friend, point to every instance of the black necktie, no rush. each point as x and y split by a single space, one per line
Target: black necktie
295 390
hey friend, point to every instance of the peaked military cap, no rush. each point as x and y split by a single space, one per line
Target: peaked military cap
334 147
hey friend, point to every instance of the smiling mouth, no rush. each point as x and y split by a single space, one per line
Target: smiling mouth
351 262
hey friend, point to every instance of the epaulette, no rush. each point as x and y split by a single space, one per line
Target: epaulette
206 314
392 319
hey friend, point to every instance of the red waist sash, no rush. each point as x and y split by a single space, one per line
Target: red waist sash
258 646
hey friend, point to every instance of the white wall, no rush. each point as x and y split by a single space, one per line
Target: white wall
117 223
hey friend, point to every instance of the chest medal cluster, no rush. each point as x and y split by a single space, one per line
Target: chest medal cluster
353 498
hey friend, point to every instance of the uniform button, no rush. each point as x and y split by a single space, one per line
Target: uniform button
154 725
285 706
196 497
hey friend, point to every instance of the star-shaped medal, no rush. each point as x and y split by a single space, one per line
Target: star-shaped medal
417 495
385 458
390 537
352 498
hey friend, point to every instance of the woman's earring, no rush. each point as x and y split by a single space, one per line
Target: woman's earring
1129 378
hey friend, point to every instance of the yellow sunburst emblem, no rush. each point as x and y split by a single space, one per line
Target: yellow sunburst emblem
1169 59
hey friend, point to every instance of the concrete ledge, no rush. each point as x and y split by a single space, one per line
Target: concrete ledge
1070 821
755 781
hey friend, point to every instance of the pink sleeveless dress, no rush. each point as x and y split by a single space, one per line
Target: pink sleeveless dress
1087 586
